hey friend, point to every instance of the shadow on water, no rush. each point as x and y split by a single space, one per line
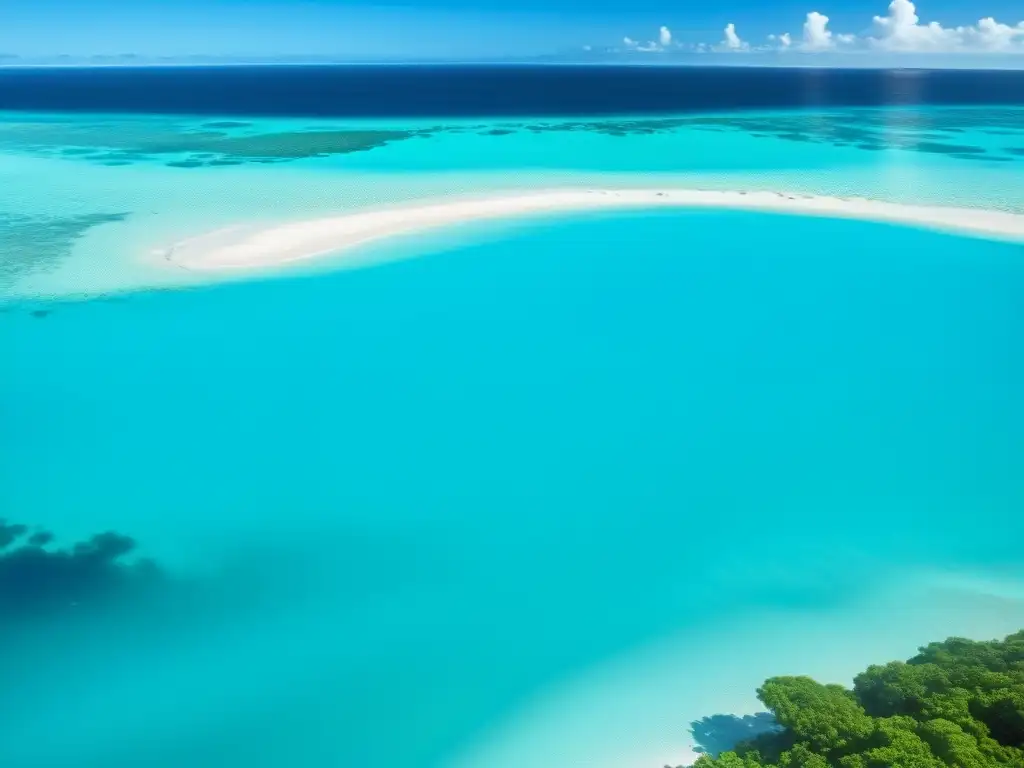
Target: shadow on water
131 659
720 733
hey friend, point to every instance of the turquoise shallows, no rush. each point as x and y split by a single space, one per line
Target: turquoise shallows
540 496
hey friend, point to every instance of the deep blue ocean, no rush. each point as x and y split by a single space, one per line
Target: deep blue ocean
481 91
527 494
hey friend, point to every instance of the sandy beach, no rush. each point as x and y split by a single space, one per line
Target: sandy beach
264 246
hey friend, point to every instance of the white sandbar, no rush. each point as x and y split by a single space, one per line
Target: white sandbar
255 247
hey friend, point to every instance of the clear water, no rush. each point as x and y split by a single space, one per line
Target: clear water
166 178
541 496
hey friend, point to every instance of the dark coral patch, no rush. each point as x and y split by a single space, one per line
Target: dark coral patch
40 539
948 149
10 533
305 144
983 158
873 130
36 581
220 140
226 124
32 244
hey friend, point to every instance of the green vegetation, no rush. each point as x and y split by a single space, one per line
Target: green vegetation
958 703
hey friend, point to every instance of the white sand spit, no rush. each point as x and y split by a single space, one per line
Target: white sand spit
255 247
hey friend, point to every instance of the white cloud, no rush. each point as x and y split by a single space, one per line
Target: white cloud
663 42
732 41
817 36
901 30
990 35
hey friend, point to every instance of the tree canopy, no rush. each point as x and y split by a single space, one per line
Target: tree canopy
957 703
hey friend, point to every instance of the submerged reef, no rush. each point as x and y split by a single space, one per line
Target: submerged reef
39 580
863 129
867 129
32 244
184 144
213 149
957 704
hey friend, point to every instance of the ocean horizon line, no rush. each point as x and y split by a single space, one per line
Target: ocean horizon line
126 61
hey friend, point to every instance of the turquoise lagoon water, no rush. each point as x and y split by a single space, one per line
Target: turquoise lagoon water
85 198
540 496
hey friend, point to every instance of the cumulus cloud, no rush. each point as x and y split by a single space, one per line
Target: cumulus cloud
731 40
663 43
990 35
817 36
900 30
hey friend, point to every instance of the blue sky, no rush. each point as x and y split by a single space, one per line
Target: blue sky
483 29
